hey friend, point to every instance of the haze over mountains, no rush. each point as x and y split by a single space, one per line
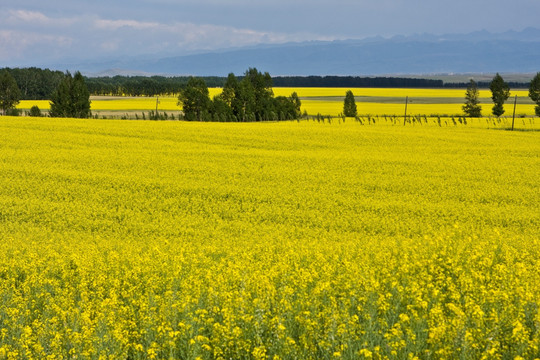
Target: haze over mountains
478 52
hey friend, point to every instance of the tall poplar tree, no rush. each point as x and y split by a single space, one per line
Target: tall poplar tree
9 92
472 107
71 98
500 91
534 92
349 105
195 100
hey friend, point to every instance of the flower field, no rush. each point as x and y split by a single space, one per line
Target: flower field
290 240
326 101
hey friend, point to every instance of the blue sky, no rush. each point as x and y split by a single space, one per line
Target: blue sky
35 32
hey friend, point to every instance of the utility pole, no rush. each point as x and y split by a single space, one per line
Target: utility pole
514 116
405 116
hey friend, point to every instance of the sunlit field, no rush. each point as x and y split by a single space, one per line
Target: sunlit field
375 101
288 240
324 101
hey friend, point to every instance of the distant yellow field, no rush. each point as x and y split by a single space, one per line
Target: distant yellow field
333 108
327 101
401 92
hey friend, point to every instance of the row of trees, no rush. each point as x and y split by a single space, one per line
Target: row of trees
500 92
249 99
35 83
355 81
144 86
39 84
71 97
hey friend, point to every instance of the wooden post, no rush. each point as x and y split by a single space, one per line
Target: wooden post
405 116
514 116
157 102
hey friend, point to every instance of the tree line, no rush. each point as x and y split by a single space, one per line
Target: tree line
35 83
39 84
160 85
248 99
355 81
143 85
500 92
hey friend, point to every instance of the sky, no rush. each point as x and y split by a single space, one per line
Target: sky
37 32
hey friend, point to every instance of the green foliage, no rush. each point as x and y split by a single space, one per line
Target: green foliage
35 83
34 111
9 92
13 112
534 92
71 98
349 105
250 99
260 87
297 104
472 107
500 92
194 100
221 111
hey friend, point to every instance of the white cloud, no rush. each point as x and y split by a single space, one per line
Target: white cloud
28 16
36 18
117 24
190 35
31 35
21 44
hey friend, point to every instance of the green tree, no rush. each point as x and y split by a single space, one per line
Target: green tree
257 94
245 101
35 111
472 107
230 89
534 92
297 105
349 105
195 100
220 109
500 91
71 98
231 96
9 92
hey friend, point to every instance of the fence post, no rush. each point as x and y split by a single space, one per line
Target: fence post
405 116
514 115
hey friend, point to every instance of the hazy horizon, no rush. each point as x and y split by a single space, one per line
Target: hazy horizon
33 33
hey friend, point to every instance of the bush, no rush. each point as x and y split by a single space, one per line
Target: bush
13 112
35 111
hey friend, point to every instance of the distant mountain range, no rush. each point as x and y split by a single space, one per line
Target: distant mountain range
478 52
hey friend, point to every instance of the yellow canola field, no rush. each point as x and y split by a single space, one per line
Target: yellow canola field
292 240
391 92
334 108
326 101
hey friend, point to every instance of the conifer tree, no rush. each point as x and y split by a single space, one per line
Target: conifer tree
195 100
472 107
500 92
534 92
349 105
71 98
9 92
